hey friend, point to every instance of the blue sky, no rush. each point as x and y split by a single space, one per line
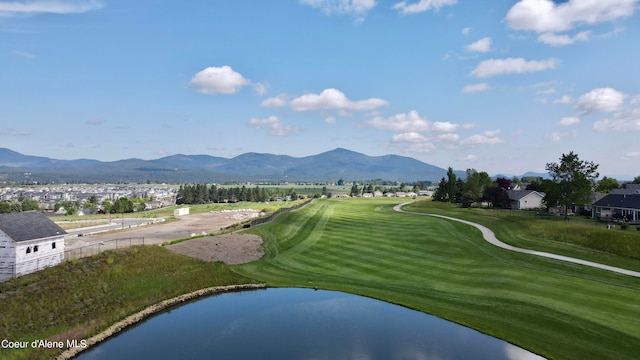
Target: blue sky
499 86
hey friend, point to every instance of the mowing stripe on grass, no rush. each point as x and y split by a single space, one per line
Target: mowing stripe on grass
445 268
490 237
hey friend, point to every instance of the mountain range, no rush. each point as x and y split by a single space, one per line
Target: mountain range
328 166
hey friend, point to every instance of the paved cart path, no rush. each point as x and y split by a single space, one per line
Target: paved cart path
490 237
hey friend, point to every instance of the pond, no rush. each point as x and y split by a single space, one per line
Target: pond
285 323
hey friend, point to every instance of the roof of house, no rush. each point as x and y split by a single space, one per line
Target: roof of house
28 225
619 201
519 194
627 189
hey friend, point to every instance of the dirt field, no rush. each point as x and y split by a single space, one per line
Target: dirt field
231 248
228 248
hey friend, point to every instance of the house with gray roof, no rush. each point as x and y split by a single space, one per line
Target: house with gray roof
29 241
525 199
617 207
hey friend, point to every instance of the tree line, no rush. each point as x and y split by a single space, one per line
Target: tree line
203 193
572 182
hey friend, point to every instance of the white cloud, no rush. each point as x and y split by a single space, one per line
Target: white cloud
260 89
469 158
556 136
451 137
624 121
475 88
409 123
408 137
601 100
422 147
276 127
631 155
274 102
333 99
495 67
445 127
568 121
546 91
24 54
564 99
466 31
218 80
546 16
486 138
330 120
359 8
421 6
406 122
51 7
483 45
563 40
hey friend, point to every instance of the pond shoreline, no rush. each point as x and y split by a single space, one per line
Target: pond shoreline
152 310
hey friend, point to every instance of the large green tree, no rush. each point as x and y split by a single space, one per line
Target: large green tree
573 181
607 184
474 185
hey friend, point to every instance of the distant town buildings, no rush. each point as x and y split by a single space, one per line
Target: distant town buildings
48 196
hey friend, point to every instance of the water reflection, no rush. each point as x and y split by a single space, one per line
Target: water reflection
300 324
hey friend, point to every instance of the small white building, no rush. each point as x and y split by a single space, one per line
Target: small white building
181 212
29 241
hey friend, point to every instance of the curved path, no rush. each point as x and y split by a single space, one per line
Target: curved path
490 237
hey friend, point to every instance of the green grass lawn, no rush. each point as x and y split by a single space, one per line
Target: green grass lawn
444 268
81 298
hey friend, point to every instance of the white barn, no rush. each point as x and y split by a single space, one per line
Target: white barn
29 241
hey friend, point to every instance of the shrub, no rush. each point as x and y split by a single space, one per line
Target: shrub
624 226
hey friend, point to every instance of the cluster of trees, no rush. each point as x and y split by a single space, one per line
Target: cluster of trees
370 188
476 187
16 206
202 194
119 206
572 183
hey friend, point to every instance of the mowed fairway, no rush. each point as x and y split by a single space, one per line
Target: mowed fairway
558 310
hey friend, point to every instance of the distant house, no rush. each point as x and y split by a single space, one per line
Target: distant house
525 199
617 207
29 241
627 189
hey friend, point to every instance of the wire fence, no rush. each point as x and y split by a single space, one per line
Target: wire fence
27 267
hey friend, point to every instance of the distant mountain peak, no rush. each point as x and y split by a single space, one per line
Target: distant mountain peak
339 163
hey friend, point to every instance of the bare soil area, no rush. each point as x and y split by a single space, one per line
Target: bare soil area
228 248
